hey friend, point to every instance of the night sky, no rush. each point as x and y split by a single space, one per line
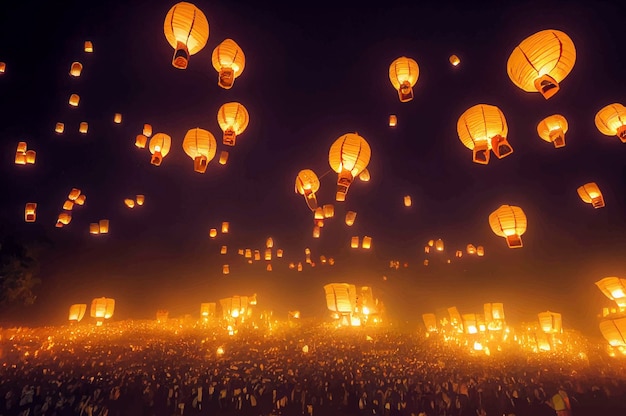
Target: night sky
312 74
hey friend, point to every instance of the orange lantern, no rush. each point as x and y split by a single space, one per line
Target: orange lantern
68 205
349 155
77 312
186 29
550 322
233 119
268 254
224 250
94 228
59 128
541 61
316 231
366 243
3 67
130 203
223 157
226 269
229 61
611 121
482 128
480 251
213 233
350 217
140 199
81 199
590 193
509 222
354 242
471 249
225 227
74 100
365 175
117 118
200 145
160 145
459 254
329 210
74 194
407 201
64 218
88 46
553 129
454 60
30 212
307 184
104 226
147 130
426 249
84 126
75 69
279 253
140 141
393 120
403 74
614 288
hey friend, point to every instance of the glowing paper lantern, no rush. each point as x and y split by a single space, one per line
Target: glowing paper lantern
268 268
614 288
470 323
84 127
480 251
552 129
3 67
213 233
30 212
160 145
611 121
541 62
454 60
403 74
140 199
74 194
407 201
354 242
68 205
393 120
94 228
233 119
225 269
229 61
340 297
102 308
88 46
59 128
257 255
494 315
147 130
509 222
350 217
223 157
590 193
74 100
329 210
318 214
186 29
366 243
103 225
439 245
64 218
77 312
279 253
307 184
224 250
75 69
81 199
482 128
365 175
268 254
225 227
141 141
550 322
130 203
349 155
614 331
459 254
201 146
207 309
117 118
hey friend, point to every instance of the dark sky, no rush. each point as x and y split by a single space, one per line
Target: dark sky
311 75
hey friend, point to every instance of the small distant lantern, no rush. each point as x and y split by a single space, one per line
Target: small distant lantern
81 199
140 199
117 118
213 232
407 201
393 120
224 250
225 227
454 60
279 253
223 157
75 69
30 212
141 141
354 242
3 67
84 126
104 226
130 203
74 100
147 130
68 205
59 128
329 210
590 193
350 217
225 269
366 243
94 228
88 46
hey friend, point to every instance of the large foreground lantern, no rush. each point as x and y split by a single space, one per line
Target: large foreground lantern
403 74
102 308
201 146
614 288
160 145
590 193
611 121
77 312
614 331
349 155
186 29
307 184
340 297
550 322
541 62
233 119
552 129
509 222
229 61
482 128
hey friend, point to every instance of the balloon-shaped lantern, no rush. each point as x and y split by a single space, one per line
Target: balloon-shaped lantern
201 146
349 155
611 121
307 184
541 62
614 288
160 145
482 128
233 119
186 29
590 193
403 74
552 129
509 222
229 61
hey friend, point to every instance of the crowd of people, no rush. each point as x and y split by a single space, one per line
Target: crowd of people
141 368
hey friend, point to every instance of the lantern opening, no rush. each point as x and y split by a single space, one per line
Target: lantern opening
500 146
480 153
200 164
181 56
514 241
547 86
226 78
557 137
229 137
405 92
597 202
343 183
156 159
621 133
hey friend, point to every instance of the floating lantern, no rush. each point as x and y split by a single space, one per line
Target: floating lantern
224 250
354 242
75 69
454 60
509 222
349 155
88 46
140 199
350 217
611 121
614 288
147 130
200 145
590 193
307 184
104 226
68 205
94 228
229 61
393 120
59 128
482 128
233 119
141 141
552 129
213 233
366 243
223 157
186 29
225 269
407 201
74 100
160 145
403 74
117 118
84 126
77 312
130 203
30 212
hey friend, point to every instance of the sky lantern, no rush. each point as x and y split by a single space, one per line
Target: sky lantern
3 67
366 243
129 202
229 61
350 218
430 322
225 227
160 145
147 130
233 119
84 127
80 200
365 175
614 331
393 120
30 212
354 242
59 128
552 129
201 146
141 141
267 256
611 121
614 288
117 118
439 245
140 199
94 228
77 312
590 193
329 210
88 46
224 250
75 69
550 322
269 243
23 156
102 308
223 157
213 232
541 62
482 128
349 155
64 218
471 249
480 251
426 249
74 100
68 205
403 74
459 254
307 184
407 201
186 29
509 222
225 269
454 60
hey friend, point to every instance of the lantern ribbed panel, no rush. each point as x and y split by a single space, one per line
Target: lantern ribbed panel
233 115
549 124
163 141
308 181
403 69
349 152
185 23
614 331
480 123
229 55
610 118
508 220
200 142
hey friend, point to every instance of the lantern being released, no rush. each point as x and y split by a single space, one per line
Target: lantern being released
307 184
233 119
200 145
349 155
590 193
229 61
552 129
102 308
611 121
160 145
482 128
614 288
403 74
77 312
541 62
509 222
186 29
